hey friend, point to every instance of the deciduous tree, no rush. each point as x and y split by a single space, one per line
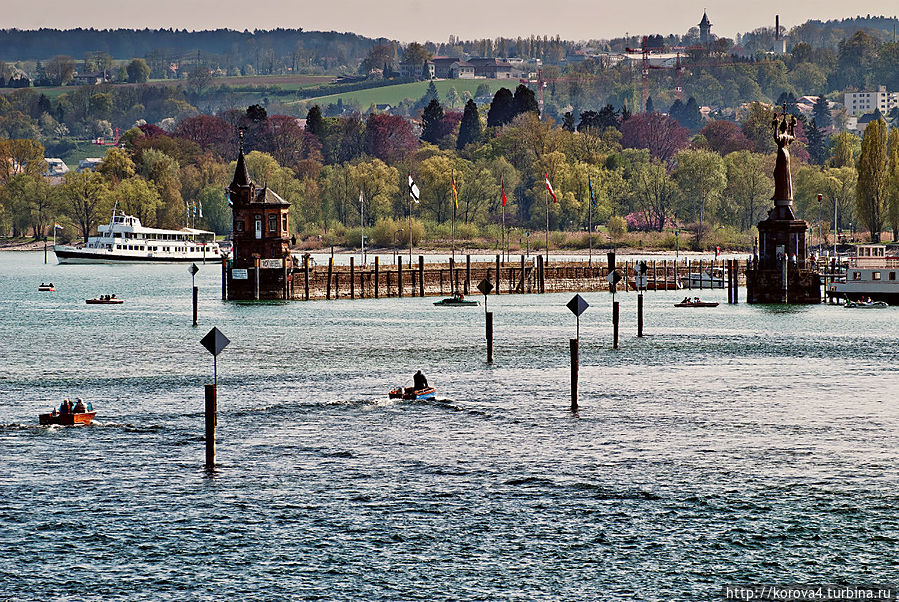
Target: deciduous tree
872 193
84 199
659 133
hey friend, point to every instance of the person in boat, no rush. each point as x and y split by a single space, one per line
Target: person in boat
113 296
51 285
79 407
64 406
419 381
686 300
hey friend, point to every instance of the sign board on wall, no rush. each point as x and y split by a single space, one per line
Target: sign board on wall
271 263
237 274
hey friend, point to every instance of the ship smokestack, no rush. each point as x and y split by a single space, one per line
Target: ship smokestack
777 27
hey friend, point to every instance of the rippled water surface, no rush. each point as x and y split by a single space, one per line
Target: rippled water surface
734 444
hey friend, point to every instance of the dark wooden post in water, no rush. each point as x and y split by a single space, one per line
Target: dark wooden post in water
467 273
352 277
196 298
523 271
736 281
256 275
224 278
421 275
730 282
575 366
399 276
330 270
615 324
452 275
377 265
655 275
497 275
211 422
540 273
306 277
640 315
489 337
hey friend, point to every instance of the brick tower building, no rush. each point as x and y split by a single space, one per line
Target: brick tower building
260 260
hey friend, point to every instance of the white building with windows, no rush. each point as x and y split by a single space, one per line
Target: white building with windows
859 103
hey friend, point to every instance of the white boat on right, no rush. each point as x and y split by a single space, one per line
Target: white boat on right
871 275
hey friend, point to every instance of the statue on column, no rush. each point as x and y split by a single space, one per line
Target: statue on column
783 136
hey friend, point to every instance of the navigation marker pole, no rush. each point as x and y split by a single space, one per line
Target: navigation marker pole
214 342
577 305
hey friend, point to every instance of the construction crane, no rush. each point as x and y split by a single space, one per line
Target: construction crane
542 83
645 66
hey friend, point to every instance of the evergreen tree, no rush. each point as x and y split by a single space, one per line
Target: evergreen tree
470 126
788 99
873 169
692 118
314 122
821 113
676 110
607 118
817 148
43 105
524 101
650 108
500 111
568 121
625 113
430 122
430 93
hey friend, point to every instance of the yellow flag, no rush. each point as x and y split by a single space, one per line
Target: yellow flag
455 194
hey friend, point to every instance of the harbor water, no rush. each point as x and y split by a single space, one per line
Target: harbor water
731 445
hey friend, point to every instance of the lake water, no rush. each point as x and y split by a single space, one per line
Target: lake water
737 444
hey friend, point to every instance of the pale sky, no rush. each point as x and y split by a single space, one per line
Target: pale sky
420 20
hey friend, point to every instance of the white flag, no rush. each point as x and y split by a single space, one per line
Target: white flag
201 209
413 189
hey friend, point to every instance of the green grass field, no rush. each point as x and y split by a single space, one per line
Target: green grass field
393 95
83 150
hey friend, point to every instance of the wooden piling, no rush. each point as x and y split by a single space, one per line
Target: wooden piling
497 274
377 265
211 413
452 275
540 267
399 276
256 279
489 337
523 271
306 277
730 283
330 271
615 324
575 361
655 275
421 275
626 276
467 274
352 277
640 315
196 292
224 278
689 279
736 281
665 270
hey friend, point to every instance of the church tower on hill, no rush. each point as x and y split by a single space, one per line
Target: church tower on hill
705 29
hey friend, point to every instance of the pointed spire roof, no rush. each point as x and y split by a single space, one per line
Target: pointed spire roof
241 175
705 20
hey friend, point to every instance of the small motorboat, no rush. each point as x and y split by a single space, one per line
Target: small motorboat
867 304
66 419
696 303
456 299
410 394
104 300
46 287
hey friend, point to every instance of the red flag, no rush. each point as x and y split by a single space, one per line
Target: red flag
549 187
504 191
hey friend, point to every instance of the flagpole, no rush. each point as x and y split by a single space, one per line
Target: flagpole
362 220
590 231
453 180
410 231
546 198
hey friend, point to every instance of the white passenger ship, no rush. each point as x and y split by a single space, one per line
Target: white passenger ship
871 274
125 240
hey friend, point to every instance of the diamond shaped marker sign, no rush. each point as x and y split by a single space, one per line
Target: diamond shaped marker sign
614 277
193 269
485 286
577 305
214 341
